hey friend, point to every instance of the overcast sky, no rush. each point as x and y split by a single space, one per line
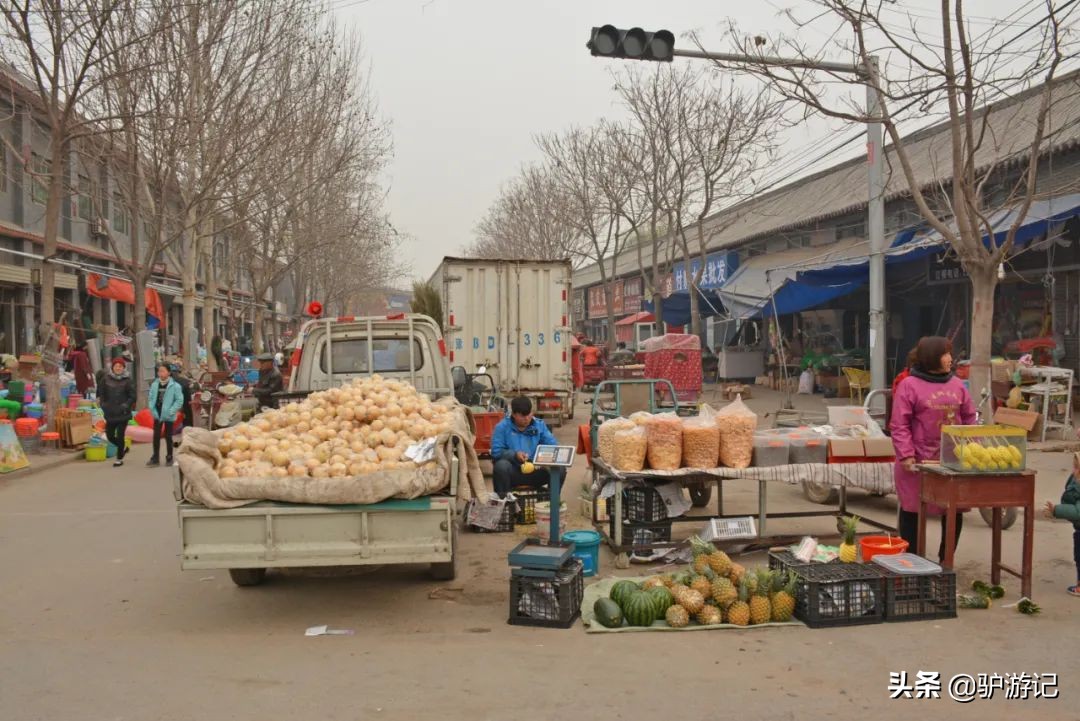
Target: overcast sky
466 84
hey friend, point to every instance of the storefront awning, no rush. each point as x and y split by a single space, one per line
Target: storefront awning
124 292
751 288
642 317
1043 218
677 306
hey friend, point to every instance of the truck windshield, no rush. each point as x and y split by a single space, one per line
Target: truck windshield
388 355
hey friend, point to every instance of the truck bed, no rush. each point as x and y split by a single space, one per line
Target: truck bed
278 535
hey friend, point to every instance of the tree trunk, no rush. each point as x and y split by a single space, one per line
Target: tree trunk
48 335
691 288
190 246
142 383
983 283
209 291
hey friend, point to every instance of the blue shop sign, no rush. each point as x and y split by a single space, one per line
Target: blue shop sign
718 268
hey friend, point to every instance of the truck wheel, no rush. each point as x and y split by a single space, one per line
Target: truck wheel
247 576
700 495
1008 517
447 571
823 493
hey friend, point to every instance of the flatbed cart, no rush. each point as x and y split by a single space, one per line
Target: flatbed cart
603 473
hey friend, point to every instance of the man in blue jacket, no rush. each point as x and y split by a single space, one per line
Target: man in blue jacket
514 442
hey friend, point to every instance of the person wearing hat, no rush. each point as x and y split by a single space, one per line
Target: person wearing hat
269 382
117 397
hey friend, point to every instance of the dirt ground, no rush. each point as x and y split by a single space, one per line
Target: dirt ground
98 622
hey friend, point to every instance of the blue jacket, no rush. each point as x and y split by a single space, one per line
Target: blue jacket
507 440
173 400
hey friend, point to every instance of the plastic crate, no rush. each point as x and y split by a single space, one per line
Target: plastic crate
505 524
839 594
643 504
526 503
920 598
547 598
485 426
636 534
784 560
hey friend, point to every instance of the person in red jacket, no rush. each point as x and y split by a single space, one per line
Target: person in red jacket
80 368
911 356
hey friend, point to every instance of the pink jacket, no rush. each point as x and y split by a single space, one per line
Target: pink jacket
919 409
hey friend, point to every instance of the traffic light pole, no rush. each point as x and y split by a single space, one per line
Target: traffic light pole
875 222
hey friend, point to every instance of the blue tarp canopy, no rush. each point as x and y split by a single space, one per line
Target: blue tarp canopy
676 307
917 243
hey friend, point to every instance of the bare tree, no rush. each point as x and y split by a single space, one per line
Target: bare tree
953 72
583 163
57 46
527 221
714 140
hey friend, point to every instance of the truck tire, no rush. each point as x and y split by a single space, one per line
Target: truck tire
1008 517
700 495
447 571
823 493
247 576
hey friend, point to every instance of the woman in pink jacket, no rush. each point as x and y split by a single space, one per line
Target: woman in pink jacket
926 400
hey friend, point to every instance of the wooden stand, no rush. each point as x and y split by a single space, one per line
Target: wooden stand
953 490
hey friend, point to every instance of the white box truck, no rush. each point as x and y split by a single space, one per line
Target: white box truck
512 318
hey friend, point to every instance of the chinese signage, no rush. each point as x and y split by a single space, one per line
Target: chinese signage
578 309
597 302
718 268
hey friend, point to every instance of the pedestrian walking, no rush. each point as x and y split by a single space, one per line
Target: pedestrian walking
117 398
166 398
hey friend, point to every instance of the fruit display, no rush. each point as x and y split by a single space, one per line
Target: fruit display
711 591
849 552
982 449
359 428
665 441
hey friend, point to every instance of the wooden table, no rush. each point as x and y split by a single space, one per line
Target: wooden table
997 491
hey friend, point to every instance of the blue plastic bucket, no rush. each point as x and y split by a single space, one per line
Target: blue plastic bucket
587 548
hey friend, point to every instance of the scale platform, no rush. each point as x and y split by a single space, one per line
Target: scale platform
531 553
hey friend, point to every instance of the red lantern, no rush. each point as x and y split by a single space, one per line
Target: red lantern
314 309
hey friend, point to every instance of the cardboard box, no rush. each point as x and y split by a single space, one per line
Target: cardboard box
878 448
846 447
1027 420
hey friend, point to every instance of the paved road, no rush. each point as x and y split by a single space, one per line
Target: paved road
98 622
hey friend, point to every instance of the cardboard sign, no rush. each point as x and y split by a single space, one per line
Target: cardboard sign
12 456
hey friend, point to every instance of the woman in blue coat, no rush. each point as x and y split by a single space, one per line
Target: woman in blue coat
166 397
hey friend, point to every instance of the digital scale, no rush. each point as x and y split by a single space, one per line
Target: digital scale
531 553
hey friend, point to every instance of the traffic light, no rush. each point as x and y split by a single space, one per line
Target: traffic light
609 41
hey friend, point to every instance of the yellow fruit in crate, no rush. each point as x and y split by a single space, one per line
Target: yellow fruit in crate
966 465
527 468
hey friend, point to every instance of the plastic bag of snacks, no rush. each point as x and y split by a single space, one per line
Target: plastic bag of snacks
641 418
605 437
630 449
701 440
665 441
737 425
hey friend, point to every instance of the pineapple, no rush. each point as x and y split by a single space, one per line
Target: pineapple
738 613
702 585
676 616
701 550
720 563
692 601
677 590
652 583
783 600
724 592
737 573
760 608
667 579
709 616
849 552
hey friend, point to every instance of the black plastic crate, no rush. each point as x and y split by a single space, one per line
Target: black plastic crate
920 598
643 504
526 504
505 524
661 532
784 560
547 598
839 594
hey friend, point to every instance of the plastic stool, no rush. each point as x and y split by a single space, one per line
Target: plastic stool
50 442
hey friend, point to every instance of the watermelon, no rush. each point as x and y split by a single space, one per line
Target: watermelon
662 599
639 608
622 589
608 613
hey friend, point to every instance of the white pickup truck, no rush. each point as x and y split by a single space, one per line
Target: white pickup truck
250 539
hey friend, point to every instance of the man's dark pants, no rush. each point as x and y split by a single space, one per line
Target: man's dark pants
507 475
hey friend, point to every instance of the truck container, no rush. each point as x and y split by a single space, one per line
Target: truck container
512 318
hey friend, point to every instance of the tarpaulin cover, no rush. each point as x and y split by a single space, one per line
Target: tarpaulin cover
672 341
124 292
676 357
677 306
642 317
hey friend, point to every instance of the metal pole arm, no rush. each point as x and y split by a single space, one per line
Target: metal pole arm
771 60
